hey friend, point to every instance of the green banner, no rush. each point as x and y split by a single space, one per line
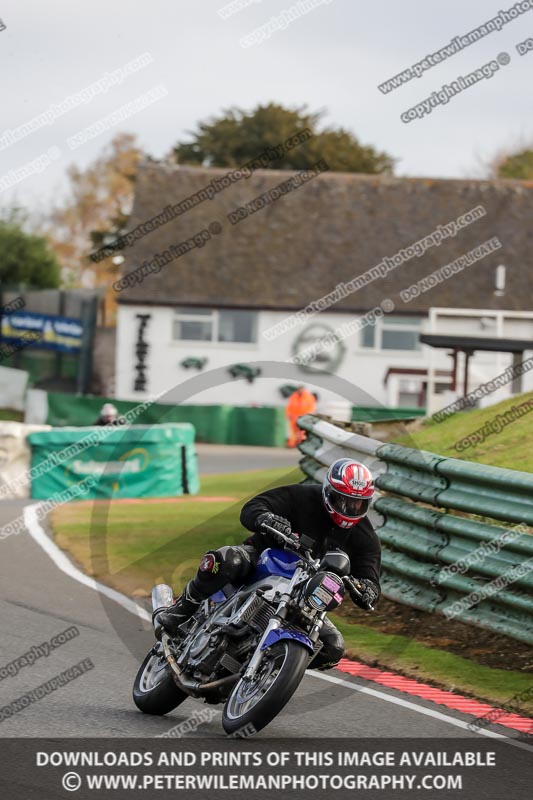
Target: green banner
383 414
139 461
217 424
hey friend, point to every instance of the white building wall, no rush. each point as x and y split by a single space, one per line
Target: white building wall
364 368
361 367
483 366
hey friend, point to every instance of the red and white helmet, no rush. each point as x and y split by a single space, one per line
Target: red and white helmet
347 491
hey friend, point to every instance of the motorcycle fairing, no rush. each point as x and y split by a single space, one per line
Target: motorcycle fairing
218 597
275 562
272 561
281 633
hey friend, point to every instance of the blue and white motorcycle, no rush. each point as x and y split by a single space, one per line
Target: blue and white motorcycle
248 646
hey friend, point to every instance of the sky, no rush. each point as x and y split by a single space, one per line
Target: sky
332 56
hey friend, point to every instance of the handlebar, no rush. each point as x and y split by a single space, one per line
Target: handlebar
350 583
295 544
288 539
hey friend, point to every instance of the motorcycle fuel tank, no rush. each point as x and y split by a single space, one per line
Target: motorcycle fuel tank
272 561
275 562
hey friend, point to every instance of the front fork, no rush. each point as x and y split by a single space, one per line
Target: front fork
275 623
257 657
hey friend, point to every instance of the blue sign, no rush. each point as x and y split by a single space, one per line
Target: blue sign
54 333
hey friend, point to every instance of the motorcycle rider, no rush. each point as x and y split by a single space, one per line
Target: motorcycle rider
109 416
333 515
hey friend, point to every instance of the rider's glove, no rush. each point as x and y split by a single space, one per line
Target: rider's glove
369 593
278 523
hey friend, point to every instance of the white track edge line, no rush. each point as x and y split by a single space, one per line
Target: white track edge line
63 563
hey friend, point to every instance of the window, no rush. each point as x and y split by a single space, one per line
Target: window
194 324
236 326
399 340
392 333
411 393
368 336
212 325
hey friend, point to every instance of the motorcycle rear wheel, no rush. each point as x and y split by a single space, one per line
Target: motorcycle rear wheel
251 706
154 689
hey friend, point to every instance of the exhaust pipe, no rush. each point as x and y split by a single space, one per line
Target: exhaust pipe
189 685
229 680
162 597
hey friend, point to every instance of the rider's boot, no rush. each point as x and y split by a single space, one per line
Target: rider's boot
182 610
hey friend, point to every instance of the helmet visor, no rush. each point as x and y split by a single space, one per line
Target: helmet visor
351 507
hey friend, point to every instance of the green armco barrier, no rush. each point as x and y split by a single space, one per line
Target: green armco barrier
434 558
447 539
378 414
411 473
504 494
135 462
397 585
216 424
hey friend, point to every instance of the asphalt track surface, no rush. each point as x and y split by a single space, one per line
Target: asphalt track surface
38 601
215 458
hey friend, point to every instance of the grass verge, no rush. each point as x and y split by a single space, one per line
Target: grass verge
432 664
11 415
511 448
131 547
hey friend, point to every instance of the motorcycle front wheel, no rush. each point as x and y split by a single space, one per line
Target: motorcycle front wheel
253 704
154 689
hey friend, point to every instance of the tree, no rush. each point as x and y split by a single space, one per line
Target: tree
517 165
25 258
238 136
99 204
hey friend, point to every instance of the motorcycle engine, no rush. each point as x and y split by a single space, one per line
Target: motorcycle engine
204 653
